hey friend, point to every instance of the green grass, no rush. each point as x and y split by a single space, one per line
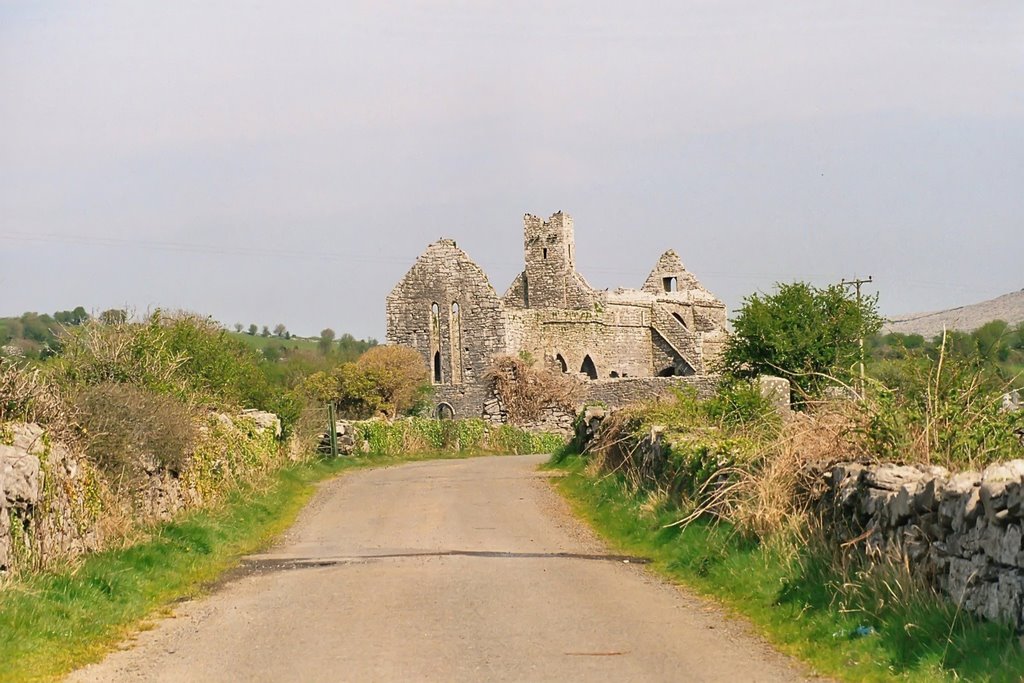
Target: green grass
802 603
53 623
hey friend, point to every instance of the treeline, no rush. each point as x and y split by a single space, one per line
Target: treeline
996 349
37 335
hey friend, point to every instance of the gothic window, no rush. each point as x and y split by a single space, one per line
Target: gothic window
671 284
437 367
562 365
588 368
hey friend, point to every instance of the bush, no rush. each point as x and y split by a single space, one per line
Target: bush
524 389
388 380
132 432
424 435
183 355
806 334
946 411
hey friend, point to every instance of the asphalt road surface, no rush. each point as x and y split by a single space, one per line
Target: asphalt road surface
456 570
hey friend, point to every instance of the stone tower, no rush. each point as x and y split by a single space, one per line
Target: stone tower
550 279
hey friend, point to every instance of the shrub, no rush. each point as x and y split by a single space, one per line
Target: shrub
525 389
132 431
806 334
388 380
399 376
184 355
946 411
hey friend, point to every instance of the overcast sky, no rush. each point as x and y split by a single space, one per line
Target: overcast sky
287 161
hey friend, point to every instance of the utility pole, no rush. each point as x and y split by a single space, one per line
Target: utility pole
857 283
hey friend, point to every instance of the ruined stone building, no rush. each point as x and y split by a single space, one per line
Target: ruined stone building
619 341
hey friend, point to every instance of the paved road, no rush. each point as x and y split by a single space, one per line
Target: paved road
458 570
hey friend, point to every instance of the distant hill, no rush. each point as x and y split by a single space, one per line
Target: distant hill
1008 307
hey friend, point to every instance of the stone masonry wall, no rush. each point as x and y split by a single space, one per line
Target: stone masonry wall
446 309
55 506
467 329
963 532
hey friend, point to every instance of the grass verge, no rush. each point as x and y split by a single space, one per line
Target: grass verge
55 622
803 604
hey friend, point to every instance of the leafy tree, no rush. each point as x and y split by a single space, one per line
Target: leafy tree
265 332
239 327
386 379
253 329
326 341
399 374
280 330
114 316
350 348
803 333
991 340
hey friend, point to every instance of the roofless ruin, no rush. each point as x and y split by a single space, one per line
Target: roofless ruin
623 342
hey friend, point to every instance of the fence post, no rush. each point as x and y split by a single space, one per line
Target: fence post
334 429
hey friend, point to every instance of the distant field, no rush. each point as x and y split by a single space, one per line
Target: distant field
260 343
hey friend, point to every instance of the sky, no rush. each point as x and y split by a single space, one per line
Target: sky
286 162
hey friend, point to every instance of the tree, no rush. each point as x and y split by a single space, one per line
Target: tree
991 341
280 330
802 333
265 332
114 316
387 379
253 329
326 341
239 327
399 374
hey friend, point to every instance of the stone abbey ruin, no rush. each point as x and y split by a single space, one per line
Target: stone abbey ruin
624 344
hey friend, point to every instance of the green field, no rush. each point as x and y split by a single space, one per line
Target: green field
259 343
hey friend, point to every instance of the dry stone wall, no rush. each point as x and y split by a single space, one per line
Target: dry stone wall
55 506
963 532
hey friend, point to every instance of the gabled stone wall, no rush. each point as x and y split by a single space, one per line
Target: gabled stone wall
446 308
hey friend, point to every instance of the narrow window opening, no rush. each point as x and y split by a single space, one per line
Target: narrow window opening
437 367
455 308
435 310
588 368
562 365
545 253
671 284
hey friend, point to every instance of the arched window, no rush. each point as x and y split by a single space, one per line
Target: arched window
435 312
671 284
455 308
437 367
562 365
588 368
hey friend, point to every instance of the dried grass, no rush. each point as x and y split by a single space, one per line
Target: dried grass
28 396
